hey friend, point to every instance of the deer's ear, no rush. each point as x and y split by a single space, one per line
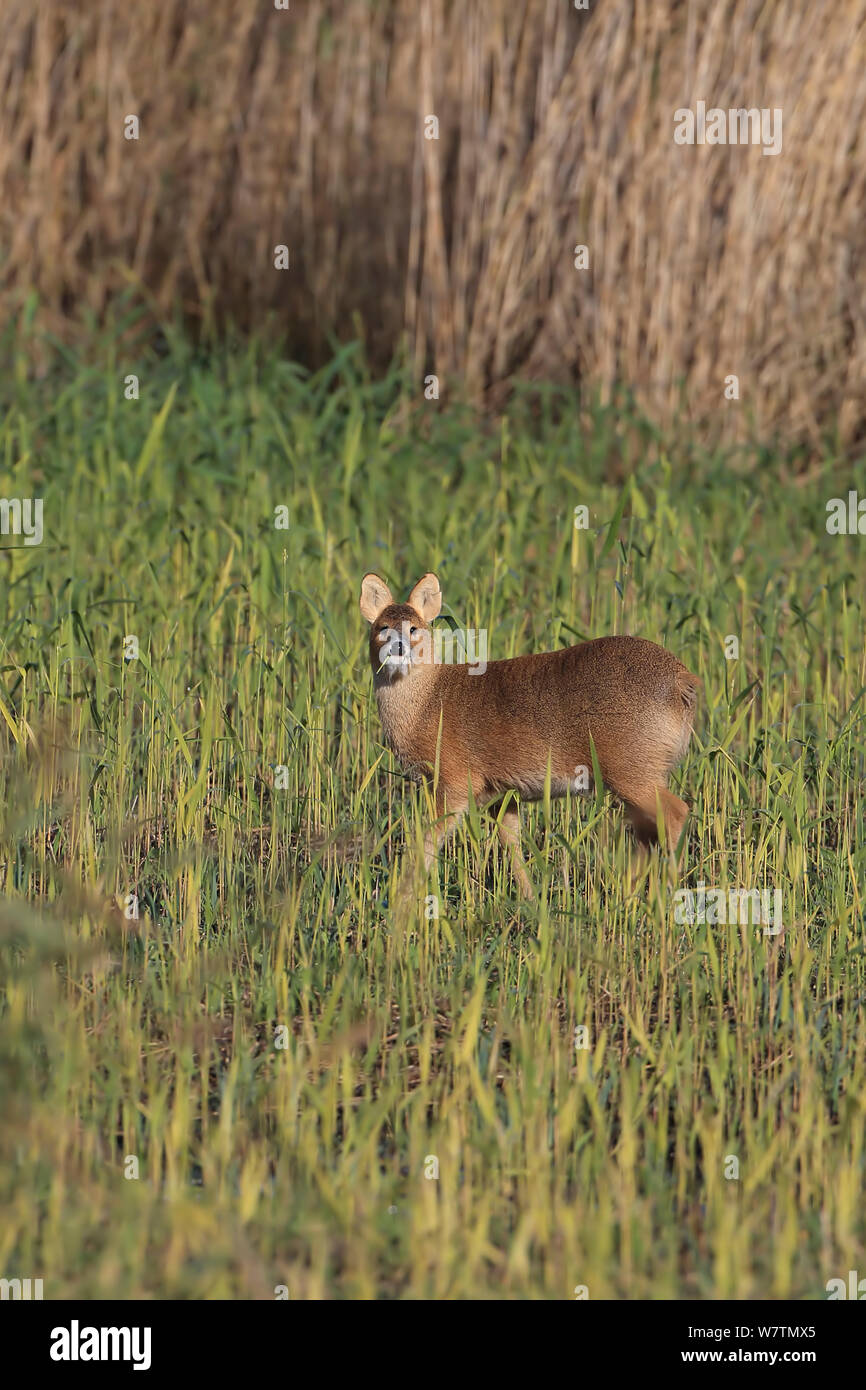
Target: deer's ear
426 597
375 595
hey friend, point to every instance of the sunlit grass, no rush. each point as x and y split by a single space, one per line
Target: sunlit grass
285 1061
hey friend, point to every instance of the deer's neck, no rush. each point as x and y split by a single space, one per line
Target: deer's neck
405 712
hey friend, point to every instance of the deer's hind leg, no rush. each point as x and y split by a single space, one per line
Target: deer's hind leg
642 810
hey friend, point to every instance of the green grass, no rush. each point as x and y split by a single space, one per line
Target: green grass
265 908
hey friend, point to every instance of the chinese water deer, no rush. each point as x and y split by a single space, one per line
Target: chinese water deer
508 725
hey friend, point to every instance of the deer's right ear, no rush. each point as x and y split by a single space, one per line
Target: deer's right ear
375 595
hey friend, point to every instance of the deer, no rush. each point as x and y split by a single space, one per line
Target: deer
531 722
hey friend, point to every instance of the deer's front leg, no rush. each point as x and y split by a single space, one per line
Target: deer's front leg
450 809
509 837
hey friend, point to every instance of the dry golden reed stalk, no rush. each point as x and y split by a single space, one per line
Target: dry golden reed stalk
306 127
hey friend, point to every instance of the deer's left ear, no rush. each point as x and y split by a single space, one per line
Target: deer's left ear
426 597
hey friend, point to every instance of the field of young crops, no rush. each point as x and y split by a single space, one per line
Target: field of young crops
228 1069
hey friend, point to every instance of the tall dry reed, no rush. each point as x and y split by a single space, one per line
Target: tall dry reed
305 127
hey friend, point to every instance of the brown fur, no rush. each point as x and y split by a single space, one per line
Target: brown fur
502 729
